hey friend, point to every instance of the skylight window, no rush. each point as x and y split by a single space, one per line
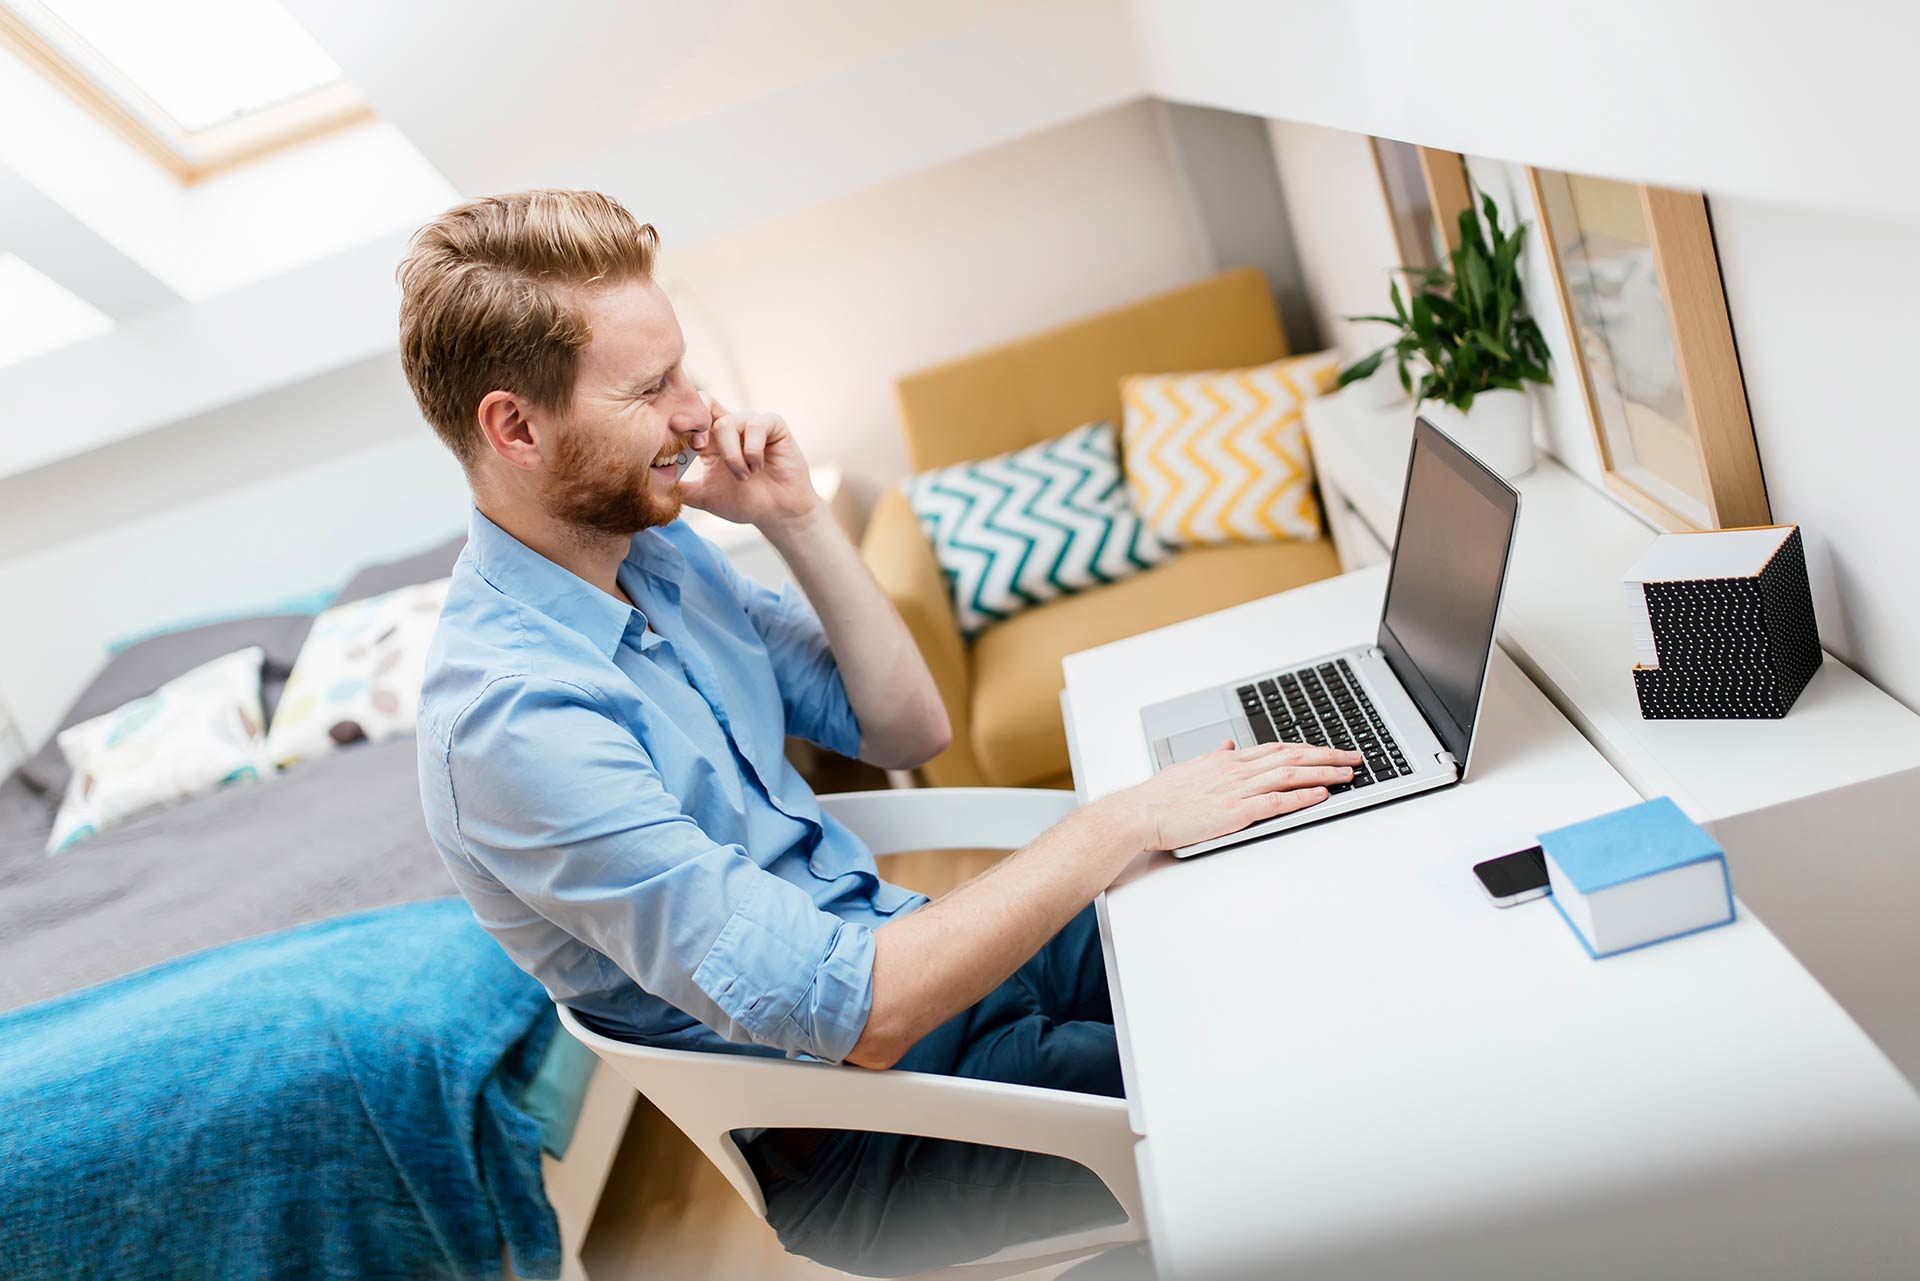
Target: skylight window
39 314
199 85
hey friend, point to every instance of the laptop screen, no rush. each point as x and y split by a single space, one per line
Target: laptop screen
1443 592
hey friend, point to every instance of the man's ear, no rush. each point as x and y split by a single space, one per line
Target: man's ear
505 422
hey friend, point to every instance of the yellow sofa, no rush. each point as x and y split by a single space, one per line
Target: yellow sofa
1002 692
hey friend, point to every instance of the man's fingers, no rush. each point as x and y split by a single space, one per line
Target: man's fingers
753 442
1307 754
1294 777
1273 804
1254 759
1299 799
724 440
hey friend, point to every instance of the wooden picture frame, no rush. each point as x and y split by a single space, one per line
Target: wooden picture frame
1702 464
1439 195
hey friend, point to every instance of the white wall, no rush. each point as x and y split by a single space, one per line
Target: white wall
13 748
238 509
1340 228
1822 308
817 311
824 308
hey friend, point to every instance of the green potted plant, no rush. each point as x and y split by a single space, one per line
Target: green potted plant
1466 343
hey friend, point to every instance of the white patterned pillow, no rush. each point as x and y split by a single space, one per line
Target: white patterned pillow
1026 527
199 731
358 675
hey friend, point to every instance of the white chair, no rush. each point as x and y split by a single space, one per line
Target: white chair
709 1094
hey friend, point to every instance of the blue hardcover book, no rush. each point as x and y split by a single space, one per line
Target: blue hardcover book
1637 876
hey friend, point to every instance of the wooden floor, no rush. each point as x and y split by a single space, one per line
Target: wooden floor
668 1215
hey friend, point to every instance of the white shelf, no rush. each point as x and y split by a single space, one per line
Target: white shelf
1814 809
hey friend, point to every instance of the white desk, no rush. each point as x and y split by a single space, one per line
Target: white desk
1816 811
1324 1034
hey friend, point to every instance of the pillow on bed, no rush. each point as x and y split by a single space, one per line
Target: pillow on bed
144 667
423 567
197 732
358 676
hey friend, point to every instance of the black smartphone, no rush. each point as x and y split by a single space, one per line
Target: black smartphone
1514 878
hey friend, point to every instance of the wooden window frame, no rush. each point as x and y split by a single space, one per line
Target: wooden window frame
1688 269
205 153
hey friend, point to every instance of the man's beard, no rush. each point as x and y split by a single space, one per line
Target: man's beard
598 489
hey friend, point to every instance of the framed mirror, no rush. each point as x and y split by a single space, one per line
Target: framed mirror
1425 191
1639 288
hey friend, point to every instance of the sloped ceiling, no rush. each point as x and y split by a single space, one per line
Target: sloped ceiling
672 107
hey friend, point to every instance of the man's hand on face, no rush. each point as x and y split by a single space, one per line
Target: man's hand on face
750 470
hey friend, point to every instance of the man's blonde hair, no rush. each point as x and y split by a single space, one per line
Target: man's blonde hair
491 300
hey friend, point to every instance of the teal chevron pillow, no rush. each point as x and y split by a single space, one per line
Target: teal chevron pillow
1026 527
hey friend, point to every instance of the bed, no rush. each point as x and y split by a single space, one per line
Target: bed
252 1034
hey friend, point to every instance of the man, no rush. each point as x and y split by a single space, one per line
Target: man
601 737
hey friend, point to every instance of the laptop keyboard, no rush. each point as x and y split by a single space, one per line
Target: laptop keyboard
1327 707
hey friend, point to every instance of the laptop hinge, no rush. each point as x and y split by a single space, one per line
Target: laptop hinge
1447 758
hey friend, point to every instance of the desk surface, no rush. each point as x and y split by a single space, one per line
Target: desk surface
1346 1063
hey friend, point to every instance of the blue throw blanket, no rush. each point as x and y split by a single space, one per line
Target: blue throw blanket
337 1100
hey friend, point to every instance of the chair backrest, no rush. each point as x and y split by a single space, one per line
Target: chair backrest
1022 392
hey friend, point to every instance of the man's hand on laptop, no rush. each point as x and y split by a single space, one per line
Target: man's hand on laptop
1229 789
751 470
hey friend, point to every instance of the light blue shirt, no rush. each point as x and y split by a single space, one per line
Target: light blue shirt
609 787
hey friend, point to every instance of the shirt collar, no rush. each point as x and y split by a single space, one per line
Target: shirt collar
525 575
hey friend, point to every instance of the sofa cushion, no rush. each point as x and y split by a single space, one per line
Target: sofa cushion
1017 734
1023 528
1221 456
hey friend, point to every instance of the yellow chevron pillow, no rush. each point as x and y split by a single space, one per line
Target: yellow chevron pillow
1221 457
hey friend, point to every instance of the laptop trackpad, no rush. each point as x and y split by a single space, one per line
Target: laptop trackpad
1190 743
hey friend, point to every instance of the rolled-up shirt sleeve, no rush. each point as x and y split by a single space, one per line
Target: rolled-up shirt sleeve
811 690
591 840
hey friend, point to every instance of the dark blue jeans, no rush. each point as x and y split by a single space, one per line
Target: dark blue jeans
892 1205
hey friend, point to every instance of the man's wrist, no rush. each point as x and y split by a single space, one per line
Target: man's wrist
792 528
1121 823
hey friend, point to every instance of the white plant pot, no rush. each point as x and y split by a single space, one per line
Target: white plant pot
1379 390
1498 430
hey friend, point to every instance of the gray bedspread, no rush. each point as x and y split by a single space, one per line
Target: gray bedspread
333 835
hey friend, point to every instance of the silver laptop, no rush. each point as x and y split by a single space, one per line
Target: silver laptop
1409 700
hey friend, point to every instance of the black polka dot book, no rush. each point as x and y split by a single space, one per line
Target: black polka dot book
1723 624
